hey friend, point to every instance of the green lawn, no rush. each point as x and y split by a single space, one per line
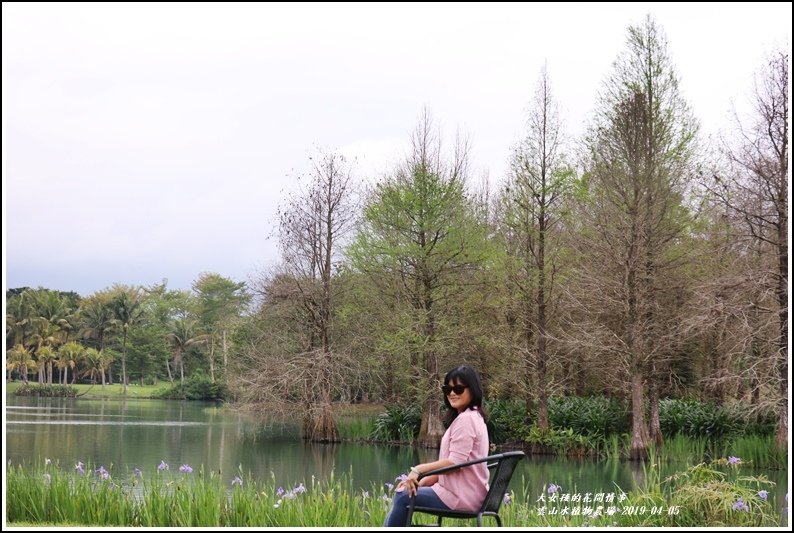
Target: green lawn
108 391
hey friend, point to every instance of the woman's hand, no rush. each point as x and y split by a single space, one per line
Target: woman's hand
412 483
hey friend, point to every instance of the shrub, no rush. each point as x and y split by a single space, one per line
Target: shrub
561 441
695 419
596 416
716 494
47 391
763 423
508 420
398 423
196 388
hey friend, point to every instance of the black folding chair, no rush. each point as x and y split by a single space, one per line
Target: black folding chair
502 465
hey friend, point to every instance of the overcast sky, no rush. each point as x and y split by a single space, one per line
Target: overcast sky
150 142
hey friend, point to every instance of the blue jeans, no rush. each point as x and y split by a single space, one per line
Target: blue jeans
425 497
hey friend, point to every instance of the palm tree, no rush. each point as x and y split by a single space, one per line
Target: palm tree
107 359
97 321
45 356
19 319
93 359
98 362
47 336
53 313
19 358
69 355
182 336
127 312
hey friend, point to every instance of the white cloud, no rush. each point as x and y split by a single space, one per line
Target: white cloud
156 140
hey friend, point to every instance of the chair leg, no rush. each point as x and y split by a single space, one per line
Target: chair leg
440 518
498 520
479 520
410 516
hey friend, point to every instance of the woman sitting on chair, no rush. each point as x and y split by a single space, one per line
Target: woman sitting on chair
466 439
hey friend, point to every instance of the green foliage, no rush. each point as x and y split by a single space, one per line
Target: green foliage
596 417
399 423
695 419
613 445
561 441
762 423
761 451
198 387
46 391
507 420
715 495
702 496
147 349
353 428
186 499
682 448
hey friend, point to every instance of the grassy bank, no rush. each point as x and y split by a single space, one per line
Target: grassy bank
704 495
106 391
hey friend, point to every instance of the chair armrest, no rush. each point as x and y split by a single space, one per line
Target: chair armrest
445 469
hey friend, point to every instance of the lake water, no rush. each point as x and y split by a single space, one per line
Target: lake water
133 433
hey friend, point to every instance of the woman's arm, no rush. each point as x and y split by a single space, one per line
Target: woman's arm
427 467
412 484
428 481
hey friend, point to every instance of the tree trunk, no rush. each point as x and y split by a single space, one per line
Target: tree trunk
324 429
389 392
543 408
324 425
168 368
782 295
212 359
656 426
781 437
124 363
639 431
225 356
431 429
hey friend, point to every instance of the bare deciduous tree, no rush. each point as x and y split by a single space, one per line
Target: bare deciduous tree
756 190
640 149
531 206
312 225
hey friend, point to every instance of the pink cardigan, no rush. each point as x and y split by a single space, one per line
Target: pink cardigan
466 439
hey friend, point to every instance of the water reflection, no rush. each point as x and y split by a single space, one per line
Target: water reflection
129 434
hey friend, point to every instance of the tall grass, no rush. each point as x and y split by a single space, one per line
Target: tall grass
613 446
680 448
760 450
355 427
45 494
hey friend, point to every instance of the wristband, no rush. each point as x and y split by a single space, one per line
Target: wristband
415 471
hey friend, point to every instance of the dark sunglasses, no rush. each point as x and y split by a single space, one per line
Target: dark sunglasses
457 389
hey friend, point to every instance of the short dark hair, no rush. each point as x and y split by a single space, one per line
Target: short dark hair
464 375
